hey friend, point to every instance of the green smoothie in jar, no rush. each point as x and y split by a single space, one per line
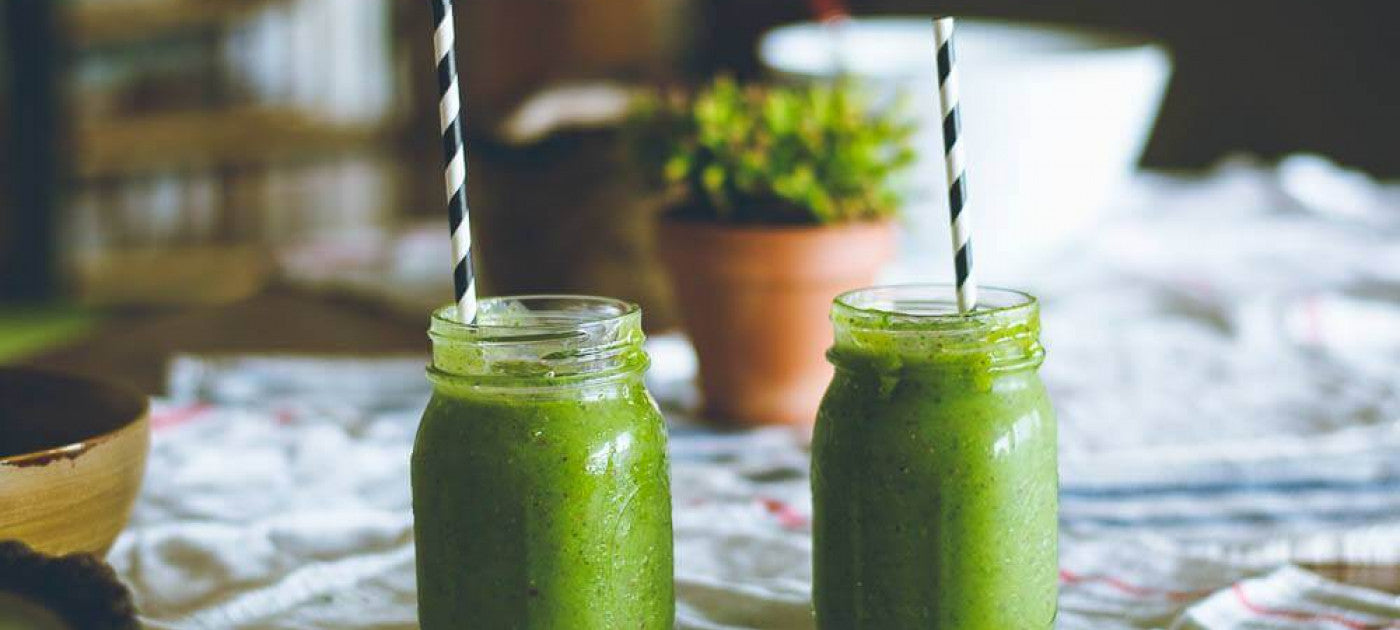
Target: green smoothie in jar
934 473
541 496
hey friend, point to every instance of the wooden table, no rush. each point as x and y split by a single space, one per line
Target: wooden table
136 347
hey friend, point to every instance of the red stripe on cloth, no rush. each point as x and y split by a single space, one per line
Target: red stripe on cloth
1304 616
1070 577
787 516
177 416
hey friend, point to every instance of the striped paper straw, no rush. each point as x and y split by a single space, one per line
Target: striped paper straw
966 281
454 153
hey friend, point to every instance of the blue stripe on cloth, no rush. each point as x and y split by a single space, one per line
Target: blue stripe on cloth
1244 487
1237 518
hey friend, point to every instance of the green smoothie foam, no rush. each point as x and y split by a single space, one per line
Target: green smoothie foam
934 467
541 494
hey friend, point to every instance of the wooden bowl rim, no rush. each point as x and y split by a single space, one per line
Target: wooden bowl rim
75 449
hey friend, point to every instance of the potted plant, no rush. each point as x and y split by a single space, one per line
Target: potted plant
779 198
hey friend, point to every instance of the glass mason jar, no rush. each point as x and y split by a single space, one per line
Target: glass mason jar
541 494
934 473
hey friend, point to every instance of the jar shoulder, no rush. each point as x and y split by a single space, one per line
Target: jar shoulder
582 415
878 405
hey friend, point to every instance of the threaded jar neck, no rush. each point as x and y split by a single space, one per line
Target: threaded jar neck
538 341
917 328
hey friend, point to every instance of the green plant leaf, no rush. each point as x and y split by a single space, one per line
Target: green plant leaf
775 154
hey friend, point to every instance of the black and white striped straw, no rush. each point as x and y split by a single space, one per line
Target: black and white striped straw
454 154
966 280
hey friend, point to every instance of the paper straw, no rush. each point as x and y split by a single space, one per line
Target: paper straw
454 154
966 280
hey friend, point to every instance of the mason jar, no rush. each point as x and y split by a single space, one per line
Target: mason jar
934 474
541 495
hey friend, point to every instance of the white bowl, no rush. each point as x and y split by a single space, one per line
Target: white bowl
1054 120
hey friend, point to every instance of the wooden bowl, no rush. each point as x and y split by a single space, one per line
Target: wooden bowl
72 455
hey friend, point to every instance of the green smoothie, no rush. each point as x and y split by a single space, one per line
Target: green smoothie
934 467
540 489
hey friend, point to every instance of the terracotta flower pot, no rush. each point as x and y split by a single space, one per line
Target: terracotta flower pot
755 302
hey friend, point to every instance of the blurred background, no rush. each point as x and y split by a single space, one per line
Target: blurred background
1204 193
271 166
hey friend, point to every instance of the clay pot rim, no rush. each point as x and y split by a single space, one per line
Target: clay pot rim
742 250
73 450
673 222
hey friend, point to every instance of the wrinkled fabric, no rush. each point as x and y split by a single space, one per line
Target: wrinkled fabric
1224 358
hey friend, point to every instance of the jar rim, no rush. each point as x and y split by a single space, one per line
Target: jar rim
928 307
532 324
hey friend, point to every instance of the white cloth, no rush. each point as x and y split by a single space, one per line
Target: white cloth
1223 360
299 518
